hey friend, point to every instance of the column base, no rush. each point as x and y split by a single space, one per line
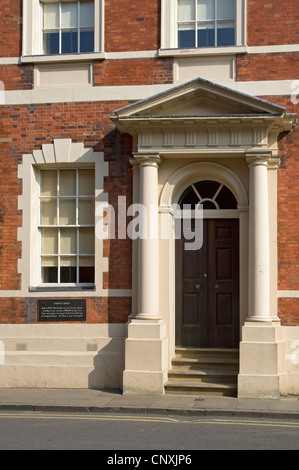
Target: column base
146 361
261 360
266 319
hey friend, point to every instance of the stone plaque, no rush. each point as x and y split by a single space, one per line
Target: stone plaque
62 310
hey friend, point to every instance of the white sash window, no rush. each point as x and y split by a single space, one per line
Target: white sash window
206 23
67 226
201 24
68 27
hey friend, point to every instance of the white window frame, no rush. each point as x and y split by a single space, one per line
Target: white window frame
32 48
61 153
59 28
169 33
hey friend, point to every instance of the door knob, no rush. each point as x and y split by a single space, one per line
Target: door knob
216 287
197 286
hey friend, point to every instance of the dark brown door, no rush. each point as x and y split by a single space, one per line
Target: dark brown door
207 288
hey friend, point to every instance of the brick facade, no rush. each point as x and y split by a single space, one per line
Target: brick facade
24 128
272 22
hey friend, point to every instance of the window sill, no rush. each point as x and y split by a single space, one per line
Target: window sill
205 51
62 288
62 58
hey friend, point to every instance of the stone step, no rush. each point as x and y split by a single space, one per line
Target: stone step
213 376
205 362
207 352
200 388
206 371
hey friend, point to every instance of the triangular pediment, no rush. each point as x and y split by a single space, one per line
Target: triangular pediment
200 98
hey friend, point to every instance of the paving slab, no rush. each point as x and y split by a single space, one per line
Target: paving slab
290 405
89 400
250 404
214 403
174 401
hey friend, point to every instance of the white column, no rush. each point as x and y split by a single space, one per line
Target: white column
261 348
146 350
259 245
136 178
148 252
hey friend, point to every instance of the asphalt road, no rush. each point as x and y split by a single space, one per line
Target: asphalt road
110 433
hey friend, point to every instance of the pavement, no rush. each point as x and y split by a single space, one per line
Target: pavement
113 401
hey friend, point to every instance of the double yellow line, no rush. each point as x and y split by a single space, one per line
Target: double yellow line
146 419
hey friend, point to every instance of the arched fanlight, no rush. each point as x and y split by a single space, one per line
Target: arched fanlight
212 195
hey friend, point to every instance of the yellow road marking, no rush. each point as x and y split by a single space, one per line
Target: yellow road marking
99 417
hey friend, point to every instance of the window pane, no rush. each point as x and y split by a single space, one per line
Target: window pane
86 269
67 182
86 41
49 269
69 42
51 43
225 36
86 241
206 37
51 16
69 15
48 183
205 10
226 199
226 9
68 275
68 269
189 197
186 10
87 14
49 241
207 189
48 211
86 183
86 212
68 241
67 212
186 37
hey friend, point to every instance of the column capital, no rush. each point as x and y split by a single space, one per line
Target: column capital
148 159
258 158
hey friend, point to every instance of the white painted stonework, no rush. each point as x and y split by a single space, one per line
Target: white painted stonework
62 356
203 131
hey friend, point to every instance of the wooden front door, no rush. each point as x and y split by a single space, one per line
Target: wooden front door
207 288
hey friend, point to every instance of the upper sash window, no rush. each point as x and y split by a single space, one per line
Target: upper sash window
206 23
68 27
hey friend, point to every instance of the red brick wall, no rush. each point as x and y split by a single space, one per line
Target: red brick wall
26 128
10 28
271 22
17 77
288 216
133 72
288 311
132 26
15 310
268 66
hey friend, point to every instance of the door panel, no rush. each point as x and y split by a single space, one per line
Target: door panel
207 288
